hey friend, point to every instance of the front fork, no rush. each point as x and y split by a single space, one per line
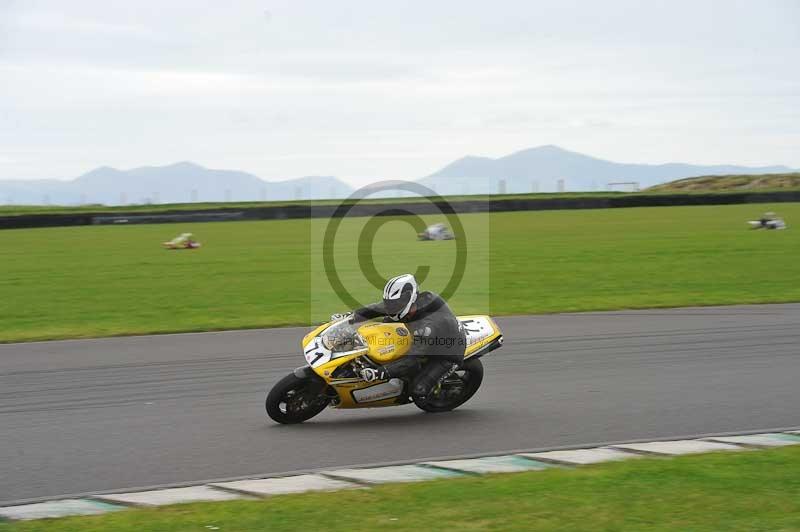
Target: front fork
317 385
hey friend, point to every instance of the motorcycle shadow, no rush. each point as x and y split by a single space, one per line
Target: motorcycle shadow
407 420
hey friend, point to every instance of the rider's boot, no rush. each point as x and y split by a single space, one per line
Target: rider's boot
432 373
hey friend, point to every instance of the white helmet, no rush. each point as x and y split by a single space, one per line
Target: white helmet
399 295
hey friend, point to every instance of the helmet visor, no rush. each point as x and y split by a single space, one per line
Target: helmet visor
394 307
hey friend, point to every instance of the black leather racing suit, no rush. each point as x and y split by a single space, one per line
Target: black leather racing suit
438 339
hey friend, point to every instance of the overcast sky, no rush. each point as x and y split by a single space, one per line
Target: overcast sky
365 89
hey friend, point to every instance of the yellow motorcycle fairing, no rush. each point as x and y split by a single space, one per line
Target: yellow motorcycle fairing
386 341
334 345
482 335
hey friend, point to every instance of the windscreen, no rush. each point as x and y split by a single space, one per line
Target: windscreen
342 337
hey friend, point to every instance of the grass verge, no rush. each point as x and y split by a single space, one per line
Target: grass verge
91 281
707 185
16 210
730 183
721 491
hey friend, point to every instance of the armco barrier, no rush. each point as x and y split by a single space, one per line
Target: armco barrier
307 210
44 220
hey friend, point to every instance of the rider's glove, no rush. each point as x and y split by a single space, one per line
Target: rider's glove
341 315
373 374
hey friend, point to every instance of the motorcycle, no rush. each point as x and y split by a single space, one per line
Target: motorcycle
436 232
775 223
337 351
182 241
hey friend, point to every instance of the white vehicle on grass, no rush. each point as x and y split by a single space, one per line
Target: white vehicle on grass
436 232
182 241
768 221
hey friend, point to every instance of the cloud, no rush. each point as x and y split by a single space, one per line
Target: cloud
359 88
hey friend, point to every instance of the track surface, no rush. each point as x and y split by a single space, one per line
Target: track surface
80 416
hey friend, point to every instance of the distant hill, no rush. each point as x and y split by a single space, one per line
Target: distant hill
733 183
176 183
535 169
539 169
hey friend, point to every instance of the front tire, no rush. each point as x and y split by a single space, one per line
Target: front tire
294 400
455 390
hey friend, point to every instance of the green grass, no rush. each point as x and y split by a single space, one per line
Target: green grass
110 280
749 491
15 210
765 183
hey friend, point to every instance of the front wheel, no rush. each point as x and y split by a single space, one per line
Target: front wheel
294 400
456 389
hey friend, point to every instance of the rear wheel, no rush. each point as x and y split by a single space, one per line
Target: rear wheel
294 400
456 389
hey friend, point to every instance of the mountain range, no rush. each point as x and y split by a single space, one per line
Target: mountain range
537 169
182 182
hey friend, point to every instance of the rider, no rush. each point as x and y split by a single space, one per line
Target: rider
438 335
766 218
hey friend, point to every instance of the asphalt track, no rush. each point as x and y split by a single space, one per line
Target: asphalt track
80 416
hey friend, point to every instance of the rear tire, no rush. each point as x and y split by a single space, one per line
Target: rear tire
290 400
471 376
